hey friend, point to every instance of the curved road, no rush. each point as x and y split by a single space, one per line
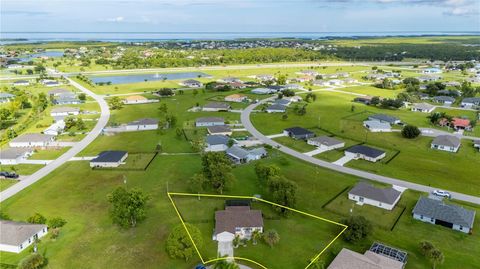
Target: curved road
245 118
102 121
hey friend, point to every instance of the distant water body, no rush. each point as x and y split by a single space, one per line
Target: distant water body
8 37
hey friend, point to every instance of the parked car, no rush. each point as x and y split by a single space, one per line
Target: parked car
442 193
5 174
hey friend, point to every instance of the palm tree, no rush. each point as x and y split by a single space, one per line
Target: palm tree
436 257
255 236
271 237
236 241
224 264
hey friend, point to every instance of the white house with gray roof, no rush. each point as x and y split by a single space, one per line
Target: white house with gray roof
209 121
364 193
6 97
470 102
21 83
64 111
325 143
216 106
14 155
142 125
366 153
217 143
443 99
377 126
437 212
17 236
448 143
276 108
384 118
422 107
240 155
32 140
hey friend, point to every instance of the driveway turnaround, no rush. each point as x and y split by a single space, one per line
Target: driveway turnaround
245 118
79 146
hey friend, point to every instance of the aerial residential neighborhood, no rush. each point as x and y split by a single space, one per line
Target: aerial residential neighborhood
240 134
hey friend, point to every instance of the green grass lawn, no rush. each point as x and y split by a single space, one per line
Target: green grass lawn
5 183
22 169
299 145
332 112
138 160
48 154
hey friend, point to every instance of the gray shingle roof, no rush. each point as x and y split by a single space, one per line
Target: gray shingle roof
423 106
59 91
217 139
217 105
14 233
209 119
299 131
443 98
145 121
237 216
237 152
447 140
109 156
367 151
384 195
13 153
33 138
437 209
218 129
282 102
383 117
326 140
65 109
471 100
373 124
277 107
6 95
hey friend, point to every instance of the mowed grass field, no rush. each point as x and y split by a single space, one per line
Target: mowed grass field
416 162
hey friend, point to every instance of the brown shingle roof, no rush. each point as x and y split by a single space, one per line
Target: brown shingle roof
237 216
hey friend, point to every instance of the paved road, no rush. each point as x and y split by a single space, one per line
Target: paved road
102 121
245 118
434 133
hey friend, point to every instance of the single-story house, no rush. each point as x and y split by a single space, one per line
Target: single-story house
217 143
432 70
385 118
377 126
350 80
365 152
21 83
230 80
50 83
348 259
443 99
142 125
6 97
364 99
446 142
264 77
293 86
66 100
110 158
422 107
216 106
17 236
364 193
456 93
305 78
240 155
263 91
283 102
429 78
56 128
437 212
219 130
14 155
470 102
238 221
60 91
237 85
276 108
320 82
298 133
293 99
423 96
135 99
191 83
32 140
64 111
325 142
463 124
209 121
312 73
237 98
335 82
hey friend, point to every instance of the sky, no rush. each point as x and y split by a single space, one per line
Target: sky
239 15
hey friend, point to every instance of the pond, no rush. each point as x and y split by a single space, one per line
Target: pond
50 54
124 79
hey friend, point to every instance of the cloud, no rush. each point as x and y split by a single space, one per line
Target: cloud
116 19
462 11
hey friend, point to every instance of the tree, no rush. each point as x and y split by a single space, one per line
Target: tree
197 183
128 207
410 131
358 228
352 109
284 116
115 103
256 235
4 216
411 81
266 172
436 257
283 192
224 264
37 218
163 108
69 122
56 222
80 124
82 96
217 170
271 237
281 79
426 247
375 100
32 261
179 245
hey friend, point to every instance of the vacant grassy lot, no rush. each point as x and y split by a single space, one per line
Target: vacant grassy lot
21 169
332 112
5 183
48 154
299 145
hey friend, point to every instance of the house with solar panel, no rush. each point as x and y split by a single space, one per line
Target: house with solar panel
437 212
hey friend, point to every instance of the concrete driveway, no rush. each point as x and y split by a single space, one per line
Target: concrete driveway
315 152
225 248
342 161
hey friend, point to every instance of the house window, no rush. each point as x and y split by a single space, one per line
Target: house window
21 246
379 204
29 240
360 199
461 227
421 216
431 219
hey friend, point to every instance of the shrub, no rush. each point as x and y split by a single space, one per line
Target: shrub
56 222
37 218
410 131
33 261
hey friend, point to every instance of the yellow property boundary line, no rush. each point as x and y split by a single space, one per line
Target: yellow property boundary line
170 194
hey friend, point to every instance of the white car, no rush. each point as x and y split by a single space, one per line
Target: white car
442 193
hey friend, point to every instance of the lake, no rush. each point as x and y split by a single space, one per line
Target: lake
125 79
50 54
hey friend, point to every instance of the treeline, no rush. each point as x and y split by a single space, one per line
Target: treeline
398 52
